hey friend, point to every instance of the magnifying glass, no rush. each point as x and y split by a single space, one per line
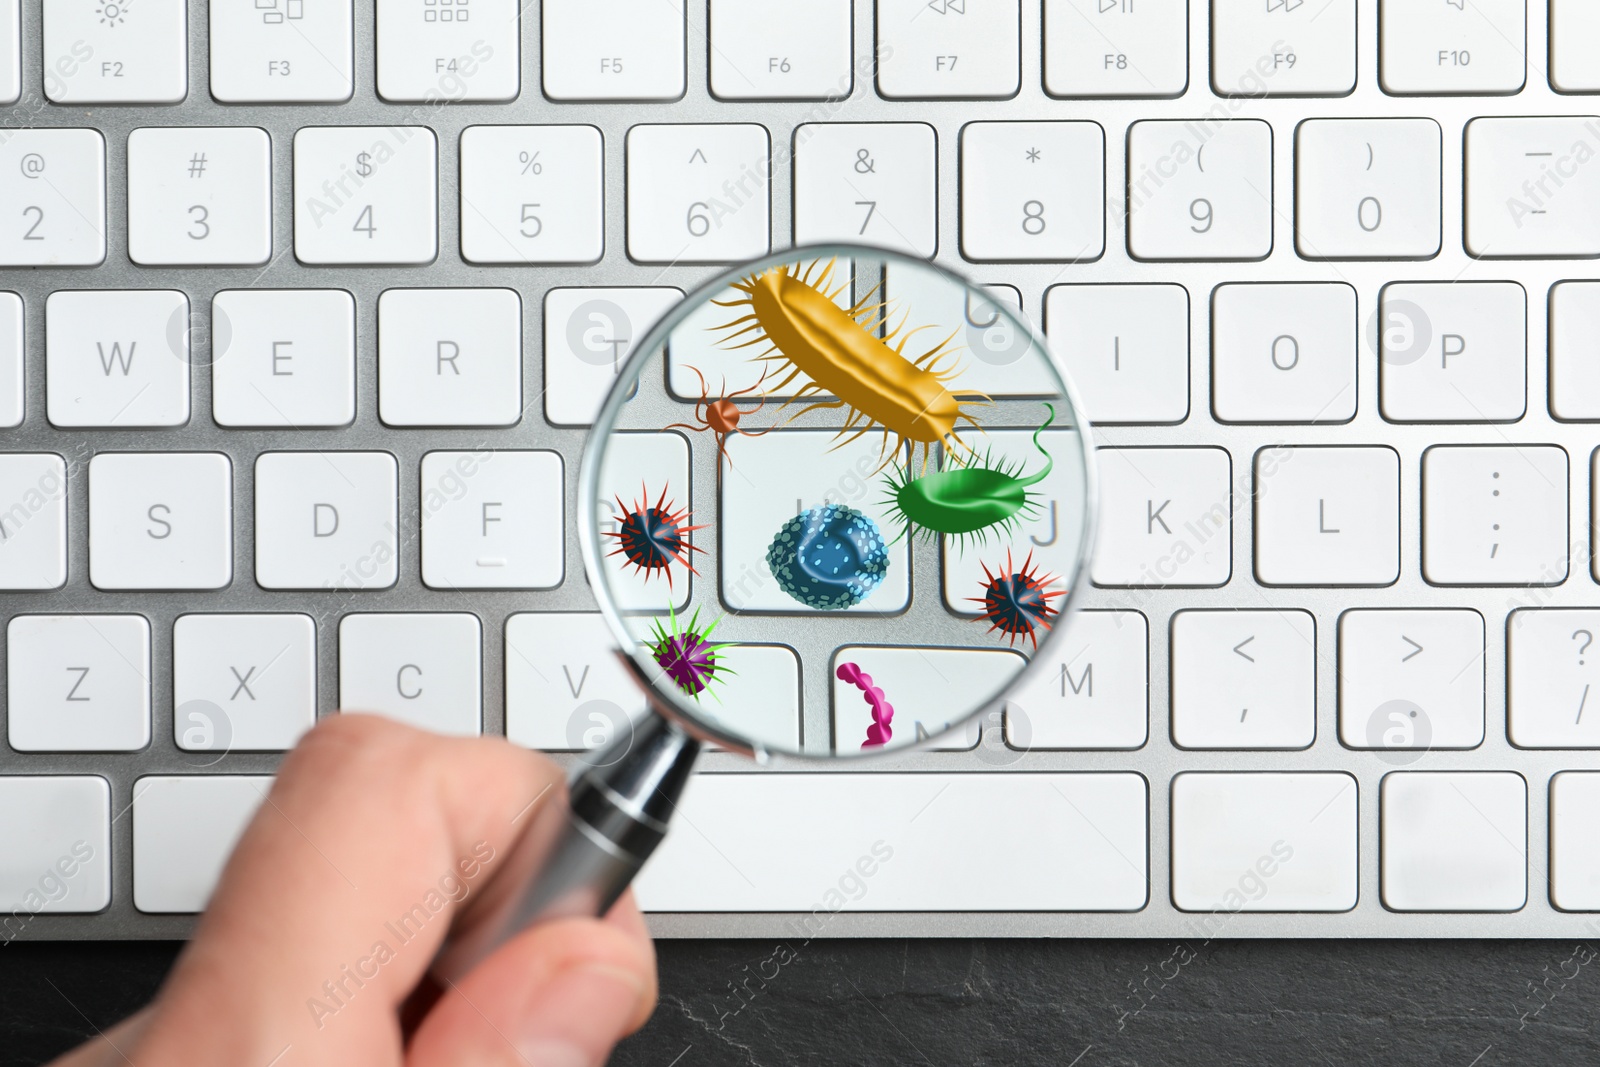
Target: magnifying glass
836 504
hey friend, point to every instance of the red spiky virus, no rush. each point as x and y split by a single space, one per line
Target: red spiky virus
652 537
1017 601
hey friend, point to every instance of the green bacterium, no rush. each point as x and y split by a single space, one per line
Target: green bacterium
969 500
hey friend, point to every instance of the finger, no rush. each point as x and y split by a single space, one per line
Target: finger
341 891
558 995
109 1046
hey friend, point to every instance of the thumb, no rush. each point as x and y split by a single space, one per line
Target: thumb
559 995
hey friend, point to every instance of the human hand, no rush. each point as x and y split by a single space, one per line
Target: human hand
374 838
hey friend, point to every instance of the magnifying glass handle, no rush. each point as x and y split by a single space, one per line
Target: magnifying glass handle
586 848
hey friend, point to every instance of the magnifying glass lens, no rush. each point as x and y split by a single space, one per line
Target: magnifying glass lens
837 504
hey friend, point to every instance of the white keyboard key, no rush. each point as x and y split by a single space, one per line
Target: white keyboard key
1244 679
1122 48
12 385
588 335
786 473
326 520
613 49
1367 188
422 669
1454 841
1033 191
449 357
1574 373
763 51
1126 347
1264 842
881 842
78 683
566 688
447 49
1574 855
117 358
1284 353
1093 693
492 520
966 49
199 195
281 51
1552 676
1166 517
1202 195
1050 535
55 846
243 683
1453 352
1494 515
10 51
137 52
1529 190
1292 48
1455 46
925 686
365 194
640 465
1411 681
283 357
33 520
1574 64
1327 516
532 194
993 363
160 520
698 194
54 185
758 701
184 829
867 183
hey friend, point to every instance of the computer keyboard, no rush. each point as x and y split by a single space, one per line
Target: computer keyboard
305 306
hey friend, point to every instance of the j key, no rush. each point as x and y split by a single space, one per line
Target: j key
199 195
531 194
423 669
762 51
184 829
1116 47
122 53
78 683
1327 516
1453 352
1494 515
1367 188
282 51
1553 678
1200 190
1529 190
283 357
613 49
1127 348
866 182
243 682
117 358
1095 692
1454 841
964 49
53 183
1411 681
1456 46
1283 48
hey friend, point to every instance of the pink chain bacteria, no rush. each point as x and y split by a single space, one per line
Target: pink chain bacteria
882 711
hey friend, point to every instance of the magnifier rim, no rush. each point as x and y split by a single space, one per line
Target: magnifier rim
656 338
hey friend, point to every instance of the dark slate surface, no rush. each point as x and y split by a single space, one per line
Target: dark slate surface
1056 1003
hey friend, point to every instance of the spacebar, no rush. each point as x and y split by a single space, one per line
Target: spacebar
752 842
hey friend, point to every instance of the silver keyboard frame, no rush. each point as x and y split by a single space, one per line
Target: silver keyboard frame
1157 761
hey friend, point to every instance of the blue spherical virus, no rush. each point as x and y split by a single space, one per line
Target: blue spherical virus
829 558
